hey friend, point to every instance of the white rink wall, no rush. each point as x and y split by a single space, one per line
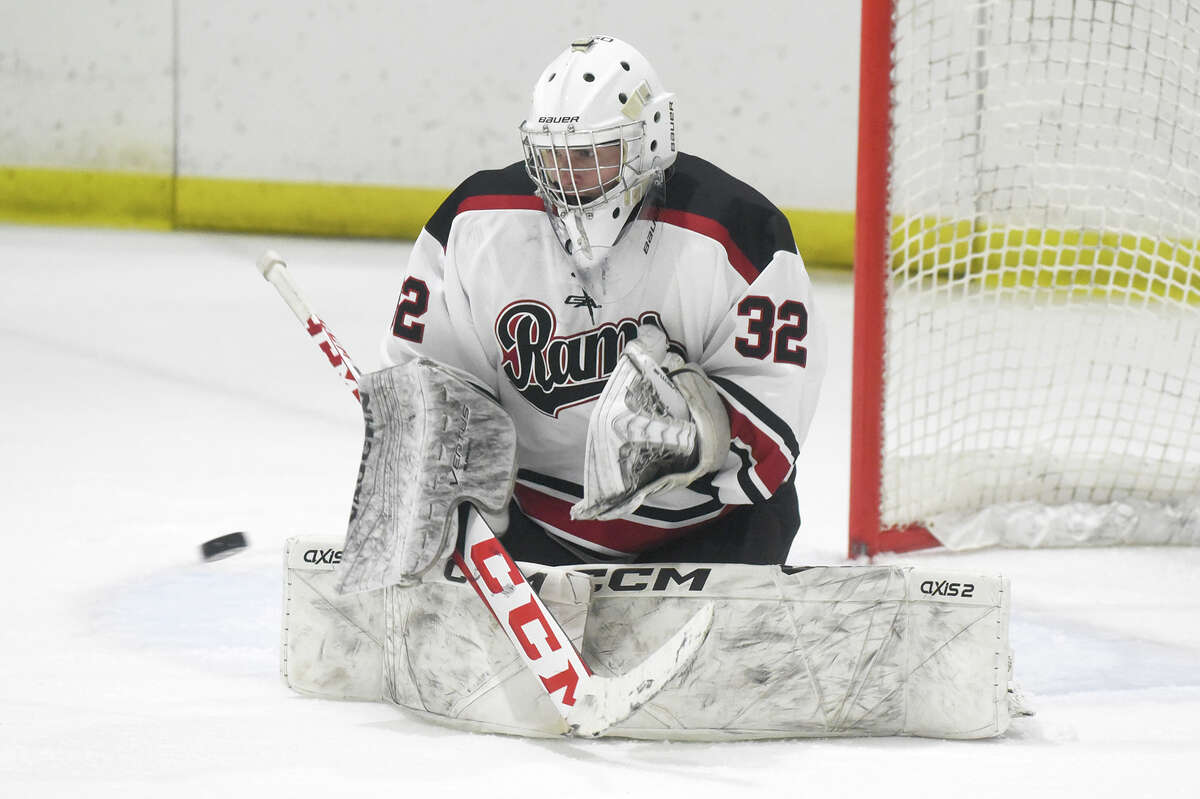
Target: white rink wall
412 94
87 85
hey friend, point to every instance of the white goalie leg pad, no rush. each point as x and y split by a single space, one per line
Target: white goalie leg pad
335 646
446 657
332 644
827 651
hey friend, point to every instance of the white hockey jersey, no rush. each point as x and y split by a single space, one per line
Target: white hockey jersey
490 291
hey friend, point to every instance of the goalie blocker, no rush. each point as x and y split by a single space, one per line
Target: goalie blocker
792 652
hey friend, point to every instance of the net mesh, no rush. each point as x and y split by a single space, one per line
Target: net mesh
1042 382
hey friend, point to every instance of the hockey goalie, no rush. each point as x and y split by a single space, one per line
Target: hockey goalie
603 364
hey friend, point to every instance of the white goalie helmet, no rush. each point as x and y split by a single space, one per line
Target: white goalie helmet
599 135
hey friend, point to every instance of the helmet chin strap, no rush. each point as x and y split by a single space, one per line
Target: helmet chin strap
571 235
581 250
571 225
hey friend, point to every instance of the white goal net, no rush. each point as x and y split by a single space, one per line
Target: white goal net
1041 378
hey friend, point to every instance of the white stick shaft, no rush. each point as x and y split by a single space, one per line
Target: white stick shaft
275 270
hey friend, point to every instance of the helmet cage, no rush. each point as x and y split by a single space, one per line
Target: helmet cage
583 170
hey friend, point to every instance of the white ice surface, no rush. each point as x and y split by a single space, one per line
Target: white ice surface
158 393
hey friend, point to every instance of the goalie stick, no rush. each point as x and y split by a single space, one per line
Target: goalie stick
588 703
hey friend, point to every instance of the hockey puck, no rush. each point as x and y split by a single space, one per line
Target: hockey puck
223 546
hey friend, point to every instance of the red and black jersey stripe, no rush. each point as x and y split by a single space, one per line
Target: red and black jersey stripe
770 456
548 500
699 196
710 201
491 189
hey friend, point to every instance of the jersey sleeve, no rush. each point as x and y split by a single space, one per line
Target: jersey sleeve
433 316
767 357
431 296
763 339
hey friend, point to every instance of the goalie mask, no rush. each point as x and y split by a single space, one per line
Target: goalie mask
599 135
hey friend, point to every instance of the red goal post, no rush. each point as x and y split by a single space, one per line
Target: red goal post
1027 275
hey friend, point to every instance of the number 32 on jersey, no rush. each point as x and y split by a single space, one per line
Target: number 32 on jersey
763 340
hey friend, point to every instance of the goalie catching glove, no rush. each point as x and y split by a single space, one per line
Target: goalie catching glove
658 425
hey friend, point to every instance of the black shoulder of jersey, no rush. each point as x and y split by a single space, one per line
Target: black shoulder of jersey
757 227
512 179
